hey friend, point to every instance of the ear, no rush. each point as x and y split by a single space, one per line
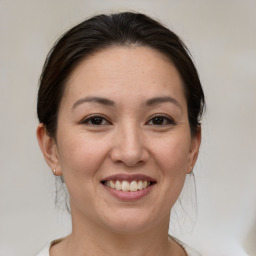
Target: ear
49 149
194 149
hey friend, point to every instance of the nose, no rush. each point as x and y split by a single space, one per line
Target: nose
128 146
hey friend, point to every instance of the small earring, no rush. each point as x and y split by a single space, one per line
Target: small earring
54 171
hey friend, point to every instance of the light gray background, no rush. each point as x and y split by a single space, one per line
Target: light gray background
222 38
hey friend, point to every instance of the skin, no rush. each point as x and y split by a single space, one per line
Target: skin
128 140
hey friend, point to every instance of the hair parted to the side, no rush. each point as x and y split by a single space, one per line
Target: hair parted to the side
103 31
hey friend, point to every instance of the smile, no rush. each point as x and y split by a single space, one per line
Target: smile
125 185
128 187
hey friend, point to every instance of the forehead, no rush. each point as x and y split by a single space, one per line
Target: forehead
127 71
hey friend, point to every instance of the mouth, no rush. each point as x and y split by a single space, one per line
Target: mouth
127 186
128 183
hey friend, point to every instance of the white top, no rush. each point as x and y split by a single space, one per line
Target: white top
190 251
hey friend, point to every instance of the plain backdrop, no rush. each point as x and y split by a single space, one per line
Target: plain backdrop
222 38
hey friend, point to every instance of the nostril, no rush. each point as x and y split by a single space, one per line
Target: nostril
130 149
129 159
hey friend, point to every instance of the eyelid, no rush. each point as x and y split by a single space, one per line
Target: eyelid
90 117
170 120
87 119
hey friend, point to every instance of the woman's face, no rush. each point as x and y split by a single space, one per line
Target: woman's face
123 139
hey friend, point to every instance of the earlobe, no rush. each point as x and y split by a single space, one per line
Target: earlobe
194 149
49 148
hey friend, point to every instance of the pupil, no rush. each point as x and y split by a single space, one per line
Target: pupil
158 120
96 120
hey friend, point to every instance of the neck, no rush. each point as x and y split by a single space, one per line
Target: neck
89 238
118 244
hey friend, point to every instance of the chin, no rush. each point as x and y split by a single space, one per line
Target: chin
129 221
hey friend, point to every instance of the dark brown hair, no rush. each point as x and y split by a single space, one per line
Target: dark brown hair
103 31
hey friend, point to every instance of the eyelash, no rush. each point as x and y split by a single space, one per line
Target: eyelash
168 120
99 118
88 120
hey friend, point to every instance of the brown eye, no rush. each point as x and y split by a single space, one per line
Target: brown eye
160 120
96 120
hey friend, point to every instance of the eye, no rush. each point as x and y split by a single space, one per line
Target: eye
96 121
161 120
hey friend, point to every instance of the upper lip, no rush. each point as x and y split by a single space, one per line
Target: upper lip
127 177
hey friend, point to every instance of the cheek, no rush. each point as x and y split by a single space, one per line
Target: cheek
172 160
173 155
80 160
80 156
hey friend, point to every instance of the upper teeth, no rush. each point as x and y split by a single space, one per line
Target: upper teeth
126 185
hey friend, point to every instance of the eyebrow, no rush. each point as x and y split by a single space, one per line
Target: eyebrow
107 102
99 100
159 100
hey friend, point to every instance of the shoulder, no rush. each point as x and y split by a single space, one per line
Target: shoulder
189 250
46 250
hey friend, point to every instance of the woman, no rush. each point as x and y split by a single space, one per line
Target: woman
119 107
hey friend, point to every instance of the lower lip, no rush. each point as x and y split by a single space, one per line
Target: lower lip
127 195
